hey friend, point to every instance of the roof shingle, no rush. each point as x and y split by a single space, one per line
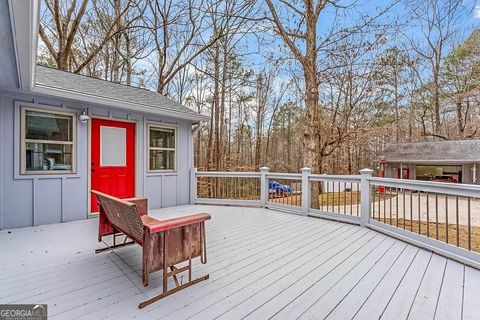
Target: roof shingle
436 151
81 84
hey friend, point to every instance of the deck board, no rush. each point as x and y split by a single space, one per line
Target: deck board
399 304
425 302
450 301
347 306
263 264
471 305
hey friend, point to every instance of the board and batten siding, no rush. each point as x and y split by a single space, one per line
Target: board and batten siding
27 200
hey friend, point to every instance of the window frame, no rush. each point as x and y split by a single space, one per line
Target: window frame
24 141
174 149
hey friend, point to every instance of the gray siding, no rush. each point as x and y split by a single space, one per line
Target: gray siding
27 200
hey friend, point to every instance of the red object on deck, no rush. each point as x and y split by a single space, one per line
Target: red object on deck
165 243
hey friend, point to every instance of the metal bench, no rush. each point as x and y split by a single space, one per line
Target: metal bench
165 243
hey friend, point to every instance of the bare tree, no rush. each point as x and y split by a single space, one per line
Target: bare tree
60 25
180 32
436 23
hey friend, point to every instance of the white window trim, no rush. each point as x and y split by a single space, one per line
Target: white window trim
23 142
175 149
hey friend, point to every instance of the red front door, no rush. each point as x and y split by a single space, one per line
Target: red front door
112 159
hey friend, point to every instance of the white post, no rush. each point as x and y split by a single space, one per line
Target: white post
264 186
365 199
306 192
193 186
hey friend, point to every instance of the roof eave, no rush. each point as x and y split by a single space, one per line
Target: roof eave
424 161
24 16
58 92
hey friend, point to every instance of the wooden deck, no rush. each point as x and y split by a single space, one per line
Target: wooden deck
263 264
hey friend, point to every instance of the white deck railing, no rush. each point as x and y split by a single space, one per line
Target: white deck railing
441 217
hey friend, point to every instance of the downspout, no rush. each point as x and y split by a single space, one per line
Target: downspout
196 127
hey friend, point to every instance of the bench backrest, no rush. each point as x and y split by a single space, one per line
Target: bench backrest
122 214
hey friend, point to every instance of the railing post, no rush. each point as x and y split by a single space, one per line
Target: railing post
193 186
306 192
264 186
365 200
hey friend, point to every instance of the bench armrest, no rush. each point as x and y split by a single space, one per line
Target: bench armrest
141 204
155 225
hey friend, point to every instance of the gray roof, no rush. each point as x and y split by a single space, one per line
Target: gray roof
459 151
91 87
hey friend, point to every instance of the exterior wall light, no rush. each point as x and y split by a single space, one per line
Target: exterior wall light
83 117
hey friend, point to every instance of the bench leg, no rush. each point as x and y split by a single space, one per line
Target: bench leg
171 291
174 271
115 245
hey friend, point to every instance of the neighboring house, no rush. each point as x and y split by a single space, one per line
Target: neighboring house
424 160
62 134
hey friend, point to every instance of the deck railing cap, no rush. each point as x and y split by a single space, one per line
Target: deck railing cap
366 171
307 169
264 168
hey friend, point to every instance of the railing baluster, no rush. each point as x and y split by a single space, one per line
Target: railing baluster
372 190
390 202
396 205
446 218
339 199
359 194
468 225
333 196
411 210
328 193
419 214
428 216
404 209
436 216
379 204
457 218
384 204
320 187
351 198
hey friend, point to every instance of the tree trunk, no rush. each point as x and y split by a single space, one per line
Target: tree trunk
460 124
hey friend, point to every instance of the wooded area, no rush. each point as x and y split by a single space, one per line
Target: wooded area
287 84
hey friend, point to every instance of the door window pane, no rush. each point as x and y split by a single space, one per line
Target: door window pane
113 146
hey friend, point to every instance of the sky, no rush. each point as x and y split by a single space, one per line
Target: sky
257 53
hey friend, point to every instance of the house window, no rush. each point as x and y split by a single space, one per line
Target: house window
48 141
162 148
